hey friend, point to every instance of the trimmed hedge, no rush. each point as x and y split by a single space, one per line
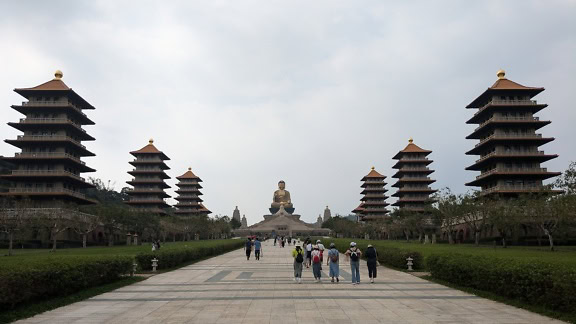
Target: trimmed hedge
392 257
530 281
32 280
178 256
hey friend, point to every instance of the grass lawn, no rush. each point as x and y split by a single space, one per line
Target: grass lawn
22 255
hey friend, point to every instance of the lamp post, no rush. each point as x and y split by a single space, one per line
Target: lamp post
154 264
409 263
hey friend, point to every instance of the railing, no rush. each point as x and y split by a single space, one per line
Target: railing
53 104
146 170
511 136
510 153
46 172
49 154
147 161
48 138
135 199
507 103
413 178
512 170
501 118
51 121
47 190
408 169
513 187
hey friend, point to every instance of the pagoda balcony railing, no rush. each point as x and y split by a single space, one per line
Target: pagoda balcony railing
414 178
511 187
49 138
146 199
47 172
507 103
188 196
413 159
403 169
510 118
53 104
512 170
510 136
146 189
189 204
141 160
46 190
145 180
49 155
147 170
510 153
51 121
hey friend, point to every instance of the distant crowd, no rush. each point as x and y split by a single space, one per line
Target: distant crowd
310 254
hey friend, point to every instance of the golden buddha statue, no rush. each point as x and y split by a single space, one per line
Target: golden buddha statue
282 197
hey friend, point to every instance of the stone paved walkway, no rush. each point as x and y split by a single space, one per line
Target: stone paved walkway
230 289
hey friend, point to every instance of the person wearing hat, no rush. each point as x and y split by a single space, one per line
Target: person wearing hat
317 263
321 248
353 254
371 262
333 262
298 255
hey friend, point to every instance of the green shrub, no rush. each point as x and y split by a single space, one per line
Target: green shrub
175 257
31 280
530 281
396 258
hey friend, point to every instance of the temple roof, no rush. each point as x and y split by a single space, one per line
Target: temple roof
150 149
373 174
411 148
55 84
503 85
203 209
190 175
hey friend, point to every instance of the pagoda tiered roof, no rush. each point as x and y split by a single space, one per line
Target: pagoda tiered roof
49 167
189 202
413 181
374 203
508 148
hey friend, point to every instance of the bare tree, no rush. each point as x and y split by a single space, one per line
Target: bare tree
551 213
13 218
84 224
475 213
451 210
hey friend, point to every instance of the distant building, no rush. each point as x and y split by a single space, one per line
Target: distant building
373 204
189 201
244 222
149 180
5 168
413 178
327 214
236 215
509 159
48 169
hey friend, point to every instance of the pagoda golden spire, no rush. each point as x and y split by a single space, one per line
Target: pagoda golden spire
151 141
501 74
58 75
410 140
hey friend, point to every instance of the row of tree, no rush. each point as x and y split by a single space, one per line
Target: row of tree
20 218
541 214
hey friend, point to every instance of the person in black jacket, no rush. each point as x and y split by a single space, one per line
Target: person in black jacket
371 261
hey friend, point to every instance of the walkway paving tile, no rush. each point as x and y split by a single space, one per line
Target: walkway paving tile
231 289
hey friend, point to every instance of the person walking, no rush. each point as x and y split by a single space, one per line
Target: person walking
321 248
316 264
257 248
308 254
371 261
353 254
248 248
298 255
275 240
333 262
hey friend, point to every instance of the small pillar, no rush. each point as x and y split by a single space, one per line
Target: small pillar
128 239
135 241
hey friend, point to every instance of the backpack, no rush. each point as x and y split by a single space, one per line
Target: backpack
299 257
316 258
334 258
354 255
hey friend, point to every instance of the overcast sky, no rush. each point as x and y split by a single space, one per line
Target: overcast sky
311 92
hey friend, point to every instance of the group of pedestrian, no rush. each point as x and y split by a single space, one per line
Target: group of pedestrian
313 255
253 244
283 240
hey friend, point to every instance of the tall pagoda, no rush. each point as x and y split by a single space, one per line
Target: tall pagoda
189 201
149 180
373 204
413 178
509 158
48 169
